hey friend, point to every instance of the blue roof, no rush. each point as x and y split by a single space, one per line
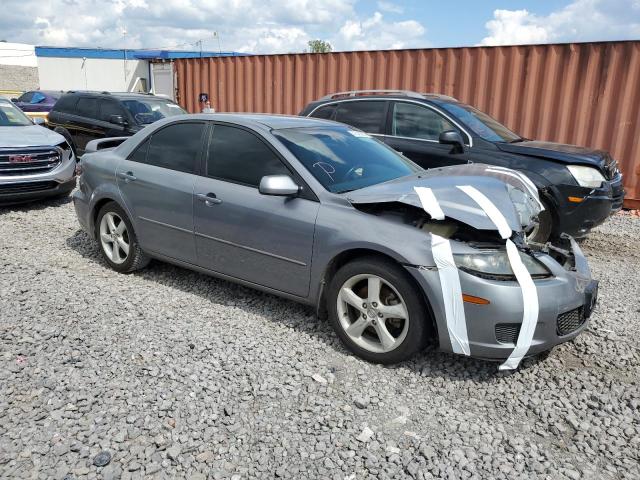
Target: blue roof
119 54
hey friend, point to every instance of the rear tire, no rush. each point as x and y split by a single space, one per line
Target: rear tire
117 239
376 311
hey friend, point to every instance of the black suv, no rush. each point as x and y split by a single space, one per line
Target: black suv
579 187
84 116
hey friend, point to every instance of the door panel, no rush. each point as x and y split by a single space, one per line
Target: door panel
427 154
262 239
161 201
157 184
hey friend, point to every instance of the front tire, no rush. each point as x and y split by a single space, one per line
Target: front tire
376 311
118 241
542 232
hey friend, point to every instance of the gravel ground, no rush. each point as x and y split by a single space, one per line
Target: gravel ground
168 374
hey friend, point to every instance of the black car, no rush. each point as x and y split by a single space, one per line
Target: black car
579 187
84 116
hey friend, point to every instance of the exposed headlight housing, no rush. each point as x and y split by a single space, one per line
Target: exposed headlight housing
494 265
586 176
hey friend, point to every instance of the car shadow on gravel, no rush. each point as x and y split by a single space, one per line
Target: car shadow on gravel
32 205
429 363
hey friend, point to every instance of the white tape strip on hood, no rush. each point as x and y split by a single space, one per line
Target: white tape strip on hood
530 303
451 294
490 209
429 202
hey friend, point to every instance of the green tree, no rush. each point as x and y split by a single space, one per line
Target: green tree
319 46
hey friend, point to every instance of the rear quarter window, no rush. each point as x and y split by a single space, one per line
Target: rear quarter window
66 104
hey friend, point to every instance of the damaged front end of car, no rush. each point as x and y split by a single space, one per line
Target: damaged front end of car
493 294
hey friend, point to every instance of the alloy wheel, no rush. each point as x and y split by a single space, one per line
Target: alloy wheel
114 237
372 313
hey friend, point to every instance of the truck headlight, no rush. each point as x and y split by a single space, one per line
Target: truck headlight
495 265
586 176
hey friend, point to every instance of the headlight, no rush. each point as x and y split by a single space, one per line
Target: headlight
586 176
495 265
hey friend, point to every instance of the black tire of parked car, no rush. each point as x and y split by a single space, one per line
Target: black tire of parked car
136 259
545 225
65 133
420 330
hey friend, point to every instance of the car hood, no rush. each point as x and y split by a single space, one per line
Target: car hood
515 197
28 136
570 154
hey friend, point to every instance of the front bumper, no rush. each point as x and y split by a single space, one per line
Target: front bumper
577 219
27 187
566 301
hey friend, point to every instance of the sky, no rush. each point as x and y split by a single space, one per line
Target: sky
283 26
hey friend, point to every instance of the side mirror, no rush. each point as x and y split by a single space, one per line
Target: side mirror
279 185
451 137
14 100
39 121
117 119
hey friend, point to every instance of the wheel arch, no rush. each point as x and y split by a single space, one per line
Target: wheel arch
97 206
352 254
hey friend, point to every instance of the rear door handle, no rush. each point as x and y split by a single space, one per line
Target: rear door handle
127 176
209 199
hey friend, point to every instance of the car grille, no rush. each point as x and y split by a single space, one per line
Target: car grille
570 321
26 187
28 161
507 332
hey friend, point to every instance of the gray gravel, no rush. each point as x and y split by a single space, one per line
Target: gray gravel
168 373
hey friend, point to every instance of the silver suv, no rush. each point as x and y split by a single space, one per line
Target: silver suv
34 161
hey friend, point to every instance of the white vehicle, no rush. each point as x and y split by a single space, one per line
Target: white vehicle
35 162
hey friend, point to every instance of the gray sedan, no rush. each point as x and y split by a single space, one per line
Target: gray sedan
324 214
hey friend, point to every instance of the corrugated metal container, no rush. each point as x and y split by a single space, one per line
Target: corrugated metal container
579 93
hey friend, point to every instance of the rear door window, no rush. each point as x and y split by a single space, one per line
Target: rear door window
25 97
66 104
238 156
87 107
177 147
367 115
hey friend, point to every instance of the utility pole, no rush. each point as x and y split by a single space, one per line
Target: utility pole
216 35
124 56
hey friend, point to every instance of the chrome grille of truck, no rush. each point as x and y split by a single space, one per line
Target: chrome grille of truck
27 161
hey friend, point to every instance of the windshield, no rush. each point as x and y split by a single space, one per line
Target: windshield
482 124
342 159
146 111
12 116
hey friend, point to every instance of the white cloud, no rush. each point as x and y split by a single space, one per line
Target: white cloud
390 7
259 26
376 33
581 20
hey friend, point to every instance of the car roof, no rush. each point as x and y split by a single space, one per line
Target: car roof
435 98
117 95
271 121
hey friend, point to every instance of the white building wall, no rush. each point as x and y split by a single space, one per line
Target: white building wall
18 69
100 74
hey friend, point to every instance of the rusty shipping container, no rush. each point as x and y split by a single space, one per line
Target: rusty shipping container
579 93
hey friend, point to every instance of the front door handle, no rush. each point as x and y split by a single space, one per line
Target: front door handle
209 199
127 176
